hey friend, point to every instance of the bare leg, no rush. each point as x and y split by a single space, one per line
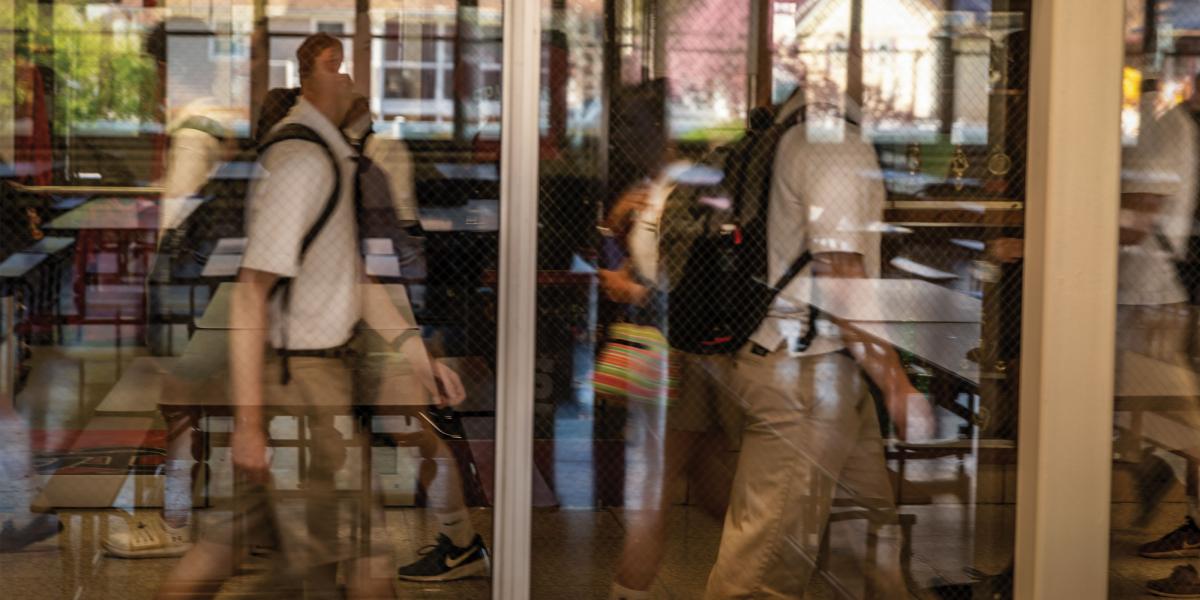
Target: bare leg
439 474
199 574
646 539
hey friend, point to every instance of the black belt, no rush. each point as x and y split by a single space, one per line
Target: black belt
339 352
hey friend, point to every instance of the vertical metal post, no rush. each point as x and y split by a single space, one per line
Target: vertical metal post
854 63
946 61
10 347
361 47
759 76
518 297
1069 312
610 78
260 64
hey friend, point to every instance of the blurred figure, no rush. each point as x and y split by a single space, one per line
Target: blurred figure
1154 316
19 525
390 154
683 395
387 209
299 290
811 433
200 130
200 138
196 148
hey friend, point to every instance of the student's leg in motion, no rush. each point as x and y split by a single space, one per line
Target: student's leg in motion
803 423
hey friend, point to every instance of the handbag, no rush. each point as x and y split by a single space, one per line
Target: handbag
636 364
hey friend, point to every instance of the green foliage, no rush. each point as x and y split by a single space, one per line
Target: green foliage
100 71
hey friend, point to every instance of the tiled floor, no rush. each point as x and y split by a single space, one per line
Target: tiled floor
575 549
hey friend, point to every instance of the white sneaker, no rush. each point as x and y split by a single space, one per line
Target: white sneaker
149 538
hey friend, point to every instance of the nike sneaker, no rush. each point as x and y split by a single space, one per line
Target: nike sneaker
1184 542
1184 582
444 561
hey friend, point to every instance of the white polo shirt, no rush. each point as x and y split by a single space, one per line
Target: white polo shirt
1146 272
824 197
193 154
283 204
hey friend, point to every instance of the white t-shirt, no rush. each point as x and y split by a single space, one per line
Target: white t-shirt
192 154
824 197
1146 271
393 157
642 239
283 205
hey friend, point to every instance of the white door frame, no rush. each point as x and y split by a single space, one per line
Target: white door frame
516 335
1069 304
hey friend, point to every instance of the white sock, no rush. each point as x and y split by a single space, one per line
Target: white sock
620 592
177 492
457 526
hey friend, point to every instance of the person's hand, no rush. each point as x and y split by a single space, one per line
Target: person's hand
911 413
250 454
618 286
450 391
630 203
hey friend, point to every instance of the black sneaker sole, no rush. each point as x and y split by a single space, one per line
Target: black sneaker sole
475 568
440 427
1189 553
1162 594
40 529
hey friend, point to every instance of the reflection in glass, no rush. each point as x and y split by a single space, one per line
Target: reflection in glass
136 154
904 168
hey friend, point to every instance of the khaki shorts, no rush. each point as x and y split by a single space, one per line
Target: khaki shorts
706 400
313 518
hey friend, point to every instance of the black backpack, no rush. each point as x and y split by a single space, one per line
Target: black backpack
713 244
375 213
297 131
223 215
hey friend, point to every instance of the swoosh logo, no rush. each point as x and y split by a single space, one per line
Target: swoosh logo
453 562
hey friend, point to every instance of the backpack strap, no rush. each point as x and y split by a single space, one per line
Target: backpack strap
754 209
204 124
297 131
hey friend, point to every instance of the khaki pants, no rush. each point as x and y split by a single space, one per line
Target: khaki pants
810 435
309 522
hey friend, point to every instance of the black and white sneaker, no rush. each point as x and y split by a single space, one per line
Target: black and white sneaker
1183 542
444 421
446 562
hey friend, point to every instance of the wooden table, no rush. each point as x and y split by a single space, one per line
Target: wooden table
216 314
894 300
1151 384
221 266
134 223
943 345
196 384
1147 387
475 216
123 213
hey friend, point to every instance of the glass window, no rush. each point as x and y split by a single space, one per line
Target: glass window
1154 490
854 435
145 208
